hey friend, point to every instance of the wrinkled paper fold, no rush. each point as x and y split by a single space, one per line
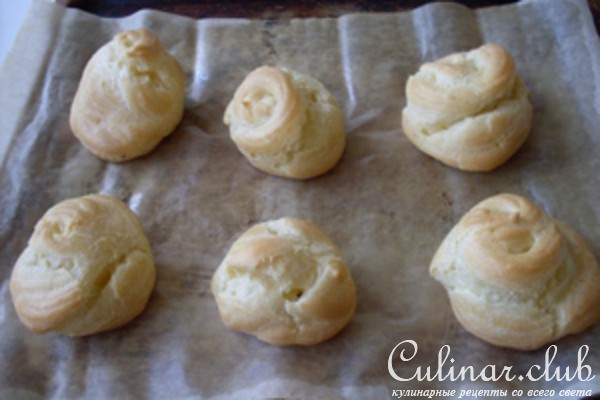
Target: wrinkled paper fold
386 205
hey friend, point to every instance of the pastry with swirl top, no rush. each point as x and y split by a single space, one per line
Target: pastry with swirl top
285 282
286 123
87 268
515 276
469 110
131 96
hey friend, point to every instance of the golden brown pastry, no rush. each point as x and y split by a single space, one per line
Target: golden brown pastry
517 277
286 123
131 96
285 282
87 268
468 110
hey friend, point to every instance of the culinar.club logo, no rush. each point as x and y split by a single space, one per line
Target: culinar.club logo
448 369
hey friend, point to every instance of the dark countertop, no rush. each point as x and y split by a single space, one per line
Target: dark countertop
273 9
260 8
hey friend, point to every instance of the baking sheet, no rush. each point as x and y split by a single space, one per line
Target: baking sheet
386 205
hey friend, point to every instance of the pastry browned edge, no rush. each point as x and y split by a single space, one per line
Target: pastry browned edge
285 282
469 110
286 123
87 268
517 277
131 96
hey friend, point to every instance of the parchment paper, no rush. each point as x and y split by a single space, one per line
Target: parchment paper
386 205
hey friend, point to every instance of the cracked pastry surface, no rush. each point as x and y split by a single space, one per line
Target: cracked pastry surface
286 123
87 268
285 282
515 276
131 96
469 110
